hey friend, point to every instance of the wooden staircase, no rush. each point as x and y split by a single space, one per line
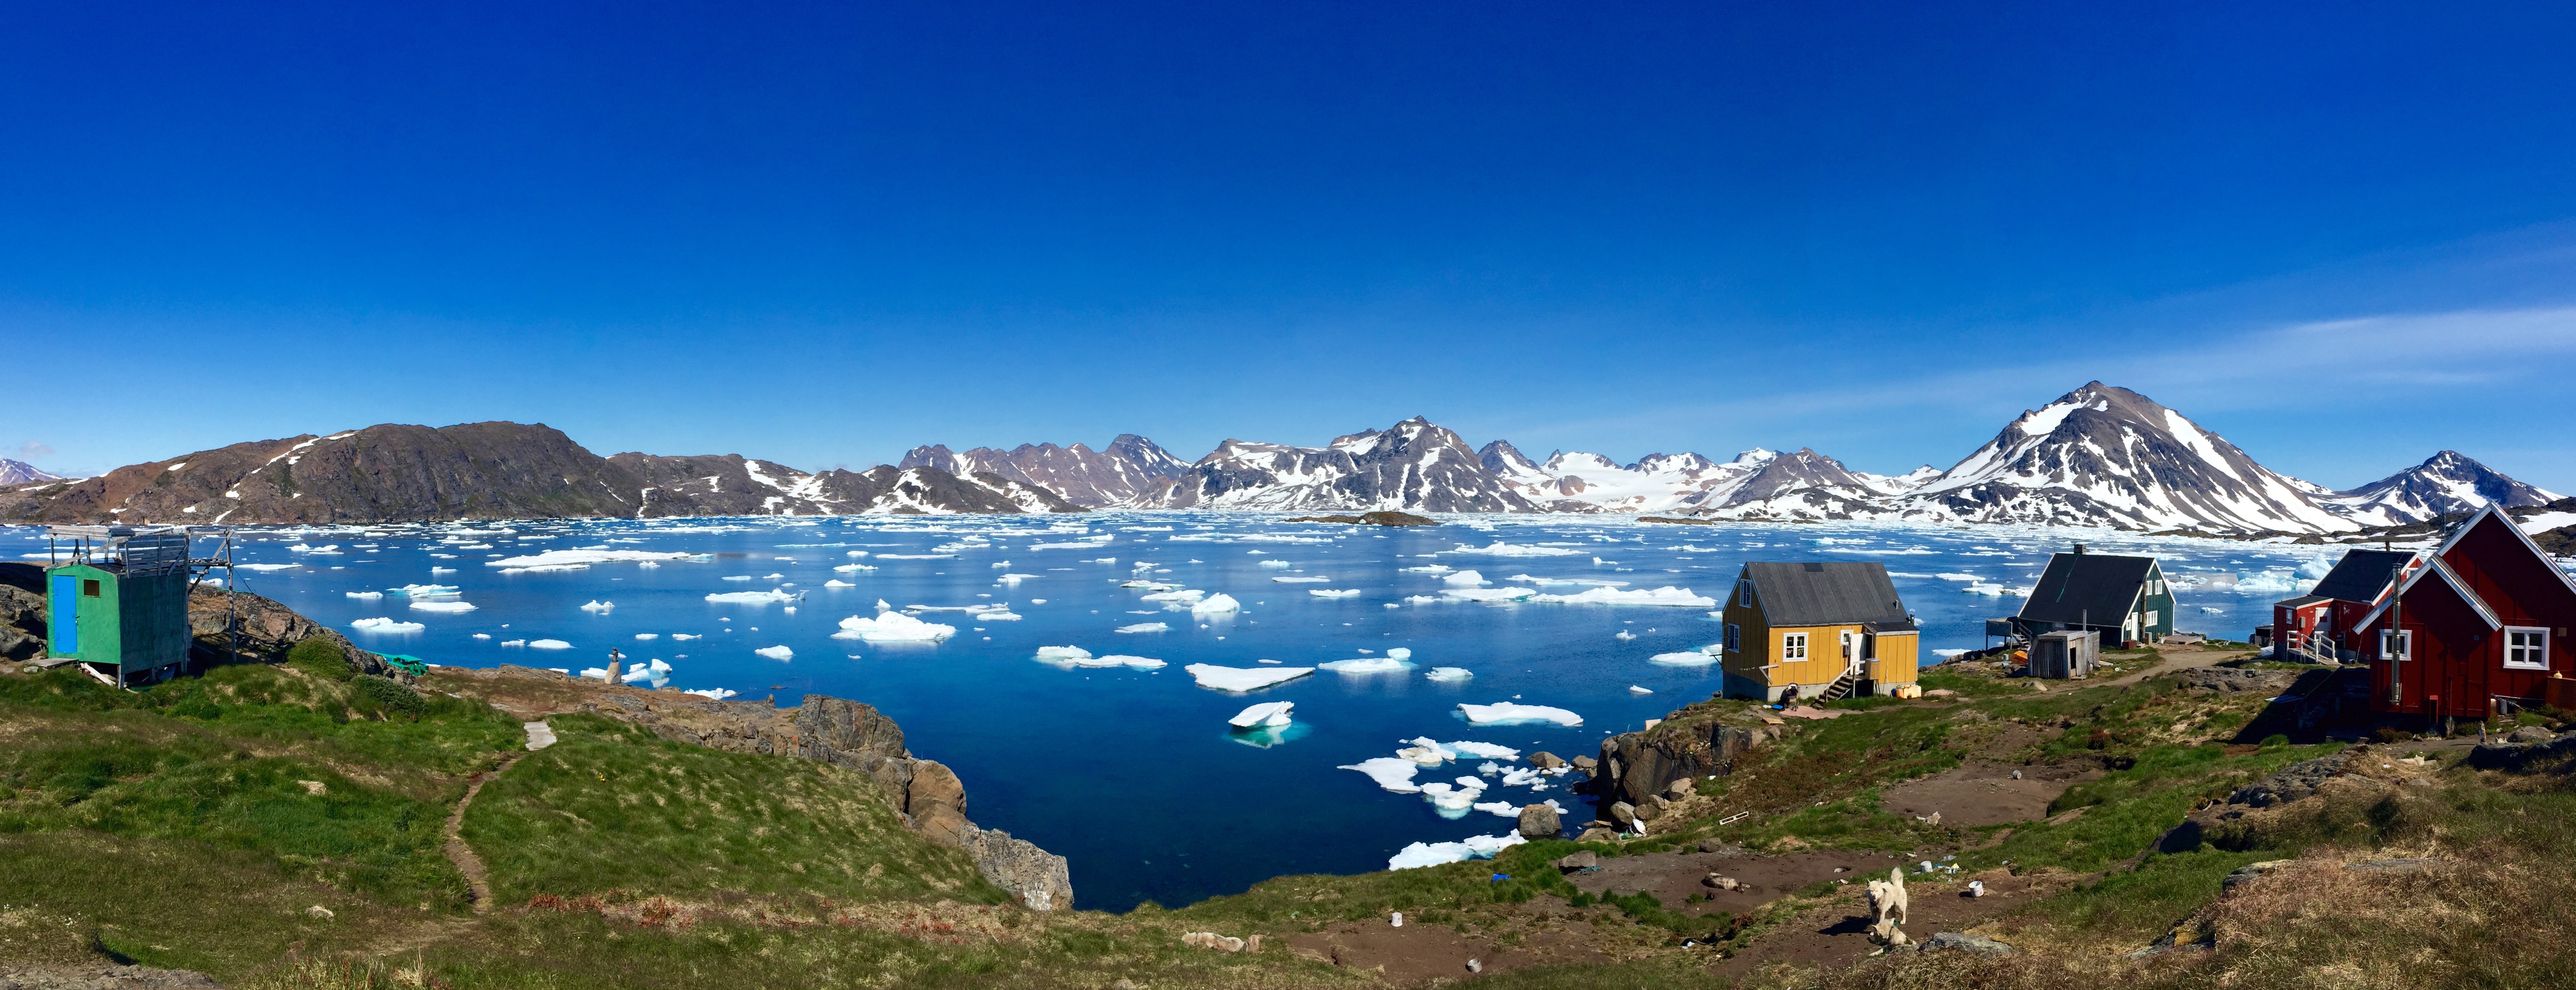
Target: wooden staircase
1843 686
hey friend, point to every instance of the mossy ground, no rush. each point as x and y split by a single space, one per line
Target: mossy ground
198 824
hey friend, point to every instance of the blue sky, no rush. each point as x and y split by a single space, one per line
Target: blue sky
2341 235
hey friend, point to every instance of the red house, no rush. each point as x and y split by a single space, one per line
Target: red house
2312 625
2481 620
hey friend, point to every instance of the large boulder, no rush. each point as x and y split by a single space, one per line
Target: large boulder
936 800
1638 764
1538 821
22 624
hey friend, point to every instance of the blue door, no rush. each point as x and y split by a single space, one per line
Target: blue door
66 620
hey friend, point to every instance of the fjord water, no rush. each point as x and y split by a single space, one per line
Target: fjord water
1134 774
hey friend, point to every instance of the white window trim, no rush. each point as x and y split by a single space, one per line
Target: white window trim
2541 631
2151 618
2406 648
1793 646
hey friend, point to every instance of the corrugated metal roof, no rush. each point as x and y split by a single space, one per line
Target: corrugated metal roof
2362 574
2086 588
1827 593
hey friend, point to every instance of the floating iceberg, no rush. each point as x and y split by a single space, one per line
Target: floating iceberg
1181 595
1449 674
592 606
1301 580
685 637
1464 578
449 607
780 652
1267 713
1458 798
1400 653
366 595
1391 773
1242 679
1500 549
1633 689
1614 596
1701 657
1276 563
1435 853
1490 594
424 590
713 694
1509 713
1063 654
1145 627
1334 592
387 626
850 568
1013 578
1216 603
648 636
1429 569
893 627
1488 751
548 644
1371 665
582 558
750 597
838 583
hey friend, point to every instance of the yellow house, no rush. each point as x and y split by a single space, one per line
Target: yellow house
1817 631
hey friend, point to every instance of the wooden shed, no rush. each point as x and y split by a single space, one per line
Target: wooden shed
120 604
2066 654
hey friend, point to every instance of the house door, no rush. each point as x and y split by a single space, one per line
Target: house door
66 615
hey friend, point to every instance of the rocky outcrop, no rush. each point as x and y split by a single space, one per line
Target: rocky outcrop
1636 766
844 733
1413 465
2289 783
498 470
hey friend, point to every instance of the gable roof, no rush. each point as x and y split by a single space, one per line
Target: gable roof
2434 566
1819 593
2086 588
2496 514
2362 574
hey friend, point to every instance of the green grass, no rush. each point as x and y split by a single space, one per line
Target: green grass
611 808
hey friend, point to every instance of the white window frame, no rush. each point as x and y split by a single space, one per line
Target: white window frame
2151 619
1734 638
1793 647
2539 648
2405 645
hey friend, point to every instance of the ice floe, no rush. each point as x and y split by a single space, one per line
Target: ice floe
382 625
1511 713
591 606
1467 579
1241 678
713 694
1614 596
779 652
1488 594
366 595
1301 580
445 606
751 597
1633 689
1334 592
838 583
893 627
1701 657
1449 674
1369 665
1267 713
582 558
1145 627
1216 603
1392 773
548 644
1422 854
1500 549
1178 595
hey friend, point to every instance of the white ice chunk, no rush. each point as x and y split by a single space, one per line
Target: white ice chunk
1267 713
1465 579
780 652
648 636
1688 658
1509 713
1489 594
1241 678
593 605
1489 751
381 625
448 606
750 597
366 595
1435 853
1391 773
548 644
1334 592
1301 580
1145 627
1370 665
1216 603
1449 674
1400 653
1633 689
893 627
713 694
1615 596
559 558
1500 549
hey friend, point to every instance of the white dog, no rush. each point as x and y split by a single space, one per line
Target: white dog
1887 896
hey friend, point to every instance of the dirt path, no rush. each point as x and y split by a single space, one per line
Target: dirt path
1837 934
2176 661
477 878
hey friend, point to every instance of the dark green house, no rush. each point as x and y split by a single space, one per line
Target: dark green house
2121 597
121 602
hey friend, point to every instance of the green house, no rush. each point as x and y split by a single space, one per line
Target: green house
121 604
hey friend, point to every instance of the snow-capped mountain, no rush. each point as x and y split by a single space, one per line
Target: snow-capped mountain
1411 465
1575 481
21 472
500 470
2446 483
1113 475
2106 456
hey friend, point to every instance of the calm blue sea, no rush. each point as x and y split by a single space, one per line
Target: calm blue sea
1134 774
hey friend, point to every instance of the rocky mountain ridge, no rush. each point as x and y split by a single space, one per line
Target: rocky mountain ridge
1413 465
495 470
21 472
1113 475
2447 483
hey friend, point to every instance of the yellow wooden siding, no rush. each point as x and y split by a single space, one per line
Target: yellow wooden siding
1753 638
1898 658
1824 660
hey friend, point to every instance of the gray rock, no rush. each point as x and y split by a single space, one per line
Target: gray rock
1545 760
2530 734
1978 944
1538 821
1719 848
1681 788
1597 835
1583 859
2289 784
1623 813
2247 873
1585 763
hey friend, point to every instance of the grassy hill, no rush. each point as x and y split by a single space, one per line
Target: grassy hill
287 826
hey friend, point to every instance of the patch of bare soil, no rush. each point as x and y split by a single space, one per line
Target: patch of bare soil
1837 934
1422 951
478 880
1983 794
1674 876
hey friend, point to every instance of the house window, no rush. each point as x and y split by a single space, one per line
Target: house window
1746 596
89 589
1793 646
2397 645
2151 619
2526 648
1734 638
